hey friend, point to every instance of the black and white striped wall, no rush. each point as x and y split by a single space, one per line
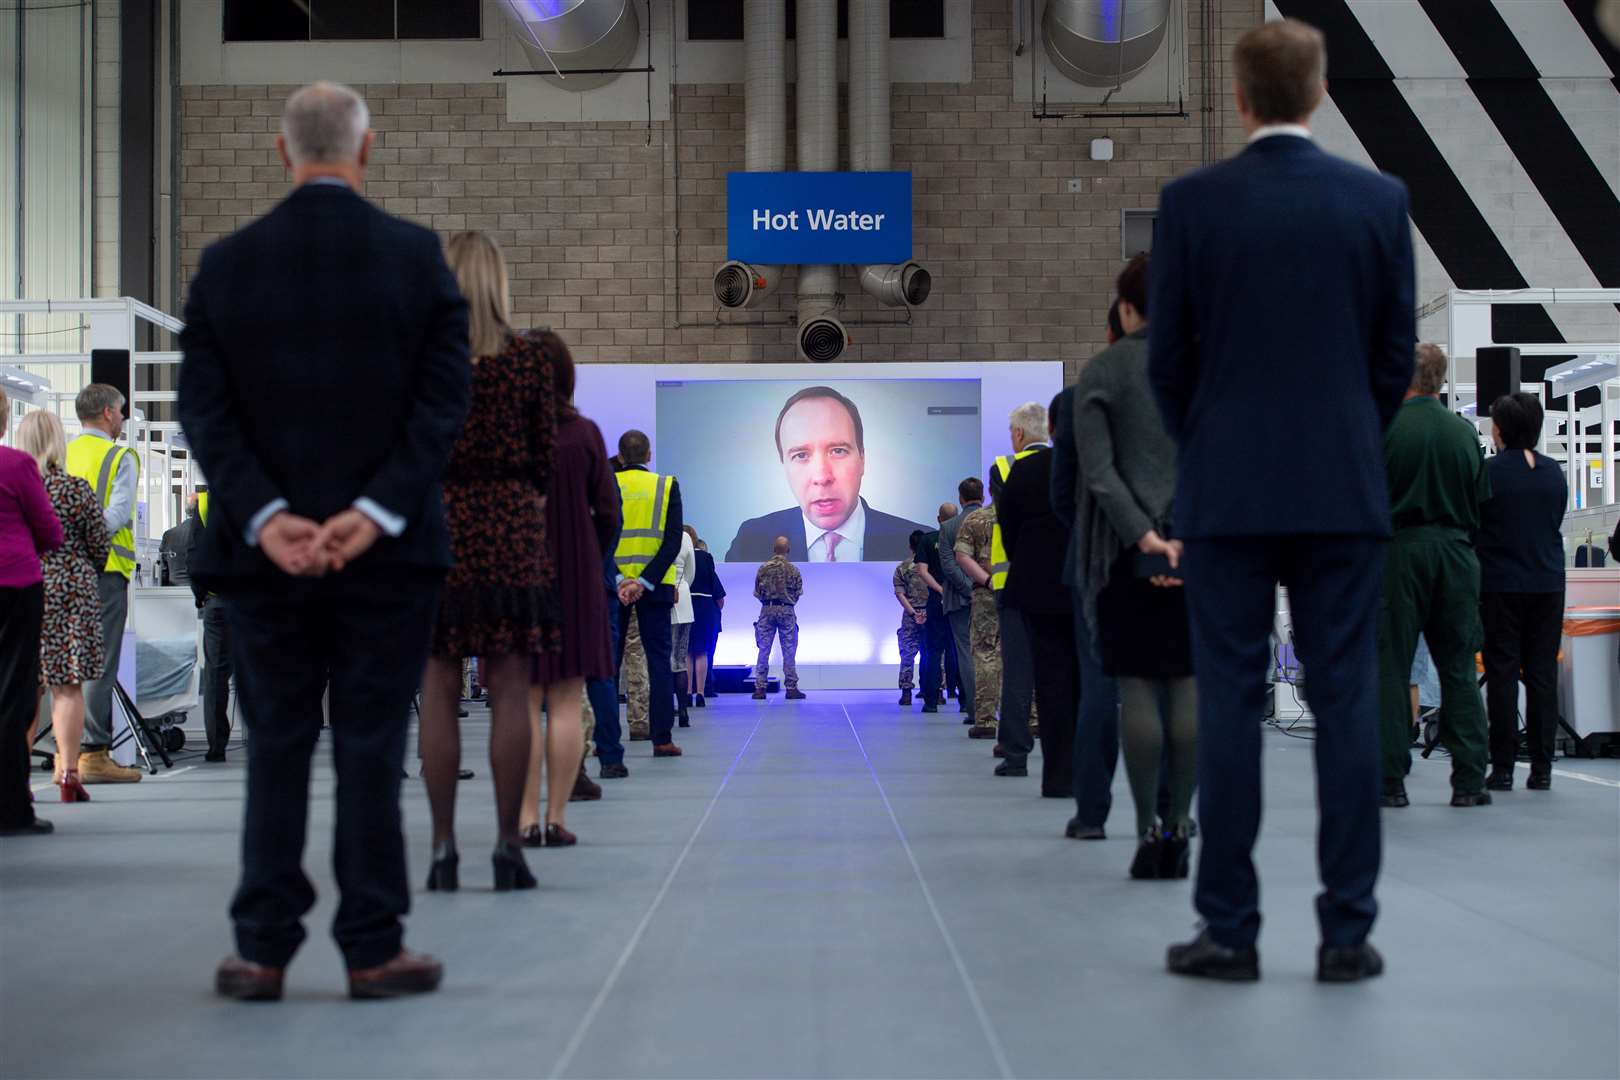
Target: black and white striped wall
1503 119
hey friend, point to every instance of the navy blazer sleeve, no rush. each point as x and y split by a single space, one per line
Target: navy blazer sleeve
1395 346
1172 343
240 485
443 394
1065 462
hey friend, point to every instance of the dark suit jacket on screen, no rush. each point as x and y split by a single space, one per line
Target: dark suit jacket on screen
887 537
286 395
1303 348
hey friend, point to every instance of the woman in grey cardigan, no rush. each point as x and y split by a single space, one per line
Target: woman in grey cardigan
1134 605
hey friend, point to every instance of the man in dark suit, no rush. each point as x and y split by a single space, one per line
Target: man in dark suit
325 379
1037 543
822 446
1281 346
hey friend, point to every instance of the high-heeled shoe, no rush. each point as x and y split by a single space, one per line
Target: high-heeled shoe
71 787
532 836
511 871
1175 856
557 836
1145 867
444 875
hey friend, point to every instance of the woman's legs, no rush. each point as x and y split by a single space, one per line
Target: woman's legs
1141 737
67 722
439 743
537 752
698 665
565 745
1183 771
506 681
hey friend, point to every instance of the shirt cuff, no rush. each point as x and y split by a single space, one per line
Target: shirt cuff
645 584
390 523
257 524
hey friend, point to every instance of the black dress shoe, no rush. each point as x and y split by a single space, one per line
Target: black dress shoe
1470 798
37 827
443 872
1175 856
930 708
1078 830
1347 963
968 719
214 756
1009 768
1207 958
612 772
1145 866
1394 794
1500 780
699 703
511 869
1540 778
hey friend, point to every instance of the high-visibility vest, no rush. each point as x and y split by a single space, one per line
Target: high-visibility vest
95 460
202 506
645 496
998 549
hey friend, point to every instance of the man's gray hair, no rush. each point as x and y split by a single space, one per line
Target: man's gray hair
324 122
96 399
1429 373
1030 418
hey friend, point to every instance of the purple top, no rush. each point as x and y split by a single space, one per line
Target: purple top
28 525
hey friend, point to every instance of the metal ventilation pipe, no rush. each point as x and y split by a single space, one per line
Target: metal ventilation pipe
737 284
821 336
1104 42
569 34
870 141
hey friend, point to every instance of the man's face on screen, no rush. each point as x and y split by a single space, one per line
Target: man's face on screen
824 466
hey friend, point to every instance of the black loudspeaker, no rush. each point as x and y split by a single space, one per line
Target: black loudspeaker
111 367
1496 373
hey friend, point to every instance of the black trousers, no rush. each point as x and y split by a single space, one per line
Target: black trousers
1017 683
362 636
216 690
21 613
1057 693
936 644
1335 586
1522 633
652 618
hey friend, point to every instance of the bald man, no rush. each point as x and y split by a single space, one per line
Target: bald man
777 587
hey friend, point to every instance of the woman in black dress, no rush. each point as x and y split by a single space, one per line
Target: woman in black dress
708 598
582 528
500 598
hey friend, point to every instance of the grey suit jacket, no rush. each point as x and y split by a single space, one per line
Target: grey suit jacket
958 589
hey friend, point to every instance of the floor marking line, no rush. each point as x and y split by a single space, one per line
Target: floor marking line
1587 777
578 1038
996 1049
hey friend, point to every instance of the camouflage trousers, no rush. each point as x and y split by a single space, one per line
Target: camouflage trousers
633 676
777 623
911 637
985 630
588 719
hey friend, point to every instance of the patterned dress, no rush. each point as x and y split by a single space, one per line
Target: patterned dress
70 645
501 595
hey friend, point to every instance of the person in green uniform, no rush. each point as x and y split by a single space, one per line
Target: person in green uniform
1437 481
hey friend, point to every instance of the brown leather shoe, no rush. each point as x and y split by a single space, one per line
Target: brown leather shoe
982 731
243 980
407 973
667 750
585 789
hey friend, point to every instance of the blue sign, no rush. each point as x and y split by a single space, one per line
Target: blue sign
818 217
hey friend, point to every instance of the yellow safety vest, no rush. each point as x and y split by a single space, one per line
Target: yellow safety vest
645 496
998 550
202 506
95 460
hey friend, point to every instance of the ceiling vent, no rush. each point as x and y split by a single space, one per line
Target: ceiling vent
1104 42
576 35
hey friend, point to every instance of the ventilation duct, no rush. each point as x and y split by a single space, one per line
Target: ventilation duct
1104 42
575 34
870 140
736 284
821 336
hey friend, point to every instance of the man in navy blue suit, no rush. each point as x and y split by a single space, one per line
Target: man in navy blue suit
822 445
1281 346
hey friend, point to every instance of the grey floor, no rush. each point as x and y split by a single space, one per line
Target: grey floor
834 888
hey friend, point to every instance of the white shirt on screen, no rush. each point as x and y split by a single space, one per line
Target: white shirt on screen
848 548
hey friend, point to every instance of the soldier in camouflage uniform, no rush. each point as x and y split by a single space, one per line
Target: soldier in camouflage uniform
777 587
973 555
912 592
633 674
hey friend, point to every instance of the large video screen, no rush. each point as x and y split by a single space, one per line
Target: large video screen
844 469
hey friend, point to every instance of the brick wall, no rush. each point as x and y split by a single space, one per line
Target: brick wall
614 230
